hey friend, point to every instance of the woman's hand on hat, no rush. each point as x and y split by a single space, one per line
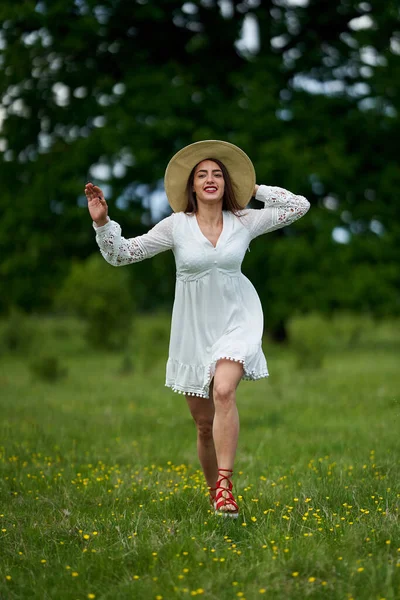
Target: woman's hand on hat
97 205
255 190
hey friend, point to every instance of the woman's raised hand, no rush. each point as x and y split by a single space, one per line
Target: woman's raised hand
96 204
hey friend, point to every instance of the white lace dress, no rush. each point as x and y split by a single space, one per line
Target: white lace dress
217 312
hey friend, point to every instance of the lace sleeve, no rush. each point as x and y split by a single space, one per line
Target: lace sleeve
119 251
281 208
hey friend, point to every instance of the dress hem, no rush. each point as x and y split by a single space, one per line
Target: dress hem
247 376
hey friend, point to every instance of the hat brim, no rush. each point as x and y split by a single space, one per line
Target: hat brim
238 164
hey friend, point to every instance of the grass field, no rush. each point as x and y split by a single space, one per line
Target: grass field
101 494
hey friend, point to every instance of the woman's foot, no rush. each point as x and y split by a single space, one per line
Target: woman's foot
225 503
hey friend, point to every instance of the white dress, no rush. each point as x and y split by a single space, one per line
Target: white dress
217 312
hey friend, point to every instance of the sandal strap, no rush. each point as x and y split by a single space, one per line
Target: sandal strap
220 499
227 477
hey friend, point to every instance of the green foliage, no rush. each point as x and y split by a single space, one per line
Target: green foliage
153 338
47 367
16 332
311 337
316 106
308 339
99 294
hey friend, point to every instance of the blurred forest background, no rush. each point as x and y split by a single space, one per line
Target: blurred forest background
107 91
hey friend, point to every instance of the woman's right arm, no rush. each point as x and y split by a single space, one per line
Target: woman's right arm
117 250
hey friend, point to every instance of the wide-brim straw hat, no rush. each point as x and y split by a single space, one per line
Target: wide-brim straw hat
238 164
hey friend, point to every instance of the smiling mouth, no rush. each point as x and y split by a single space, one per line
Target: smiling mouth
210 189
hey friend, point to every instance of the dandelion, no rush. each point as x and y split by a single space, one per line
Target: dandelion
360 569
91 596
295 574
254 519
74 574
388 542
311 579
86 536
136 577
43 561
8 577
262 591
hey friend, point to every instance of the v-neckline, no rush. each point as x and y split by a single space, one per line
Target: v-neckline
205 237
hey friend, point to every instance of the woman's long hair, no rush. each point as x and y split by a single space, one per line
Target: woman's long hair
229 201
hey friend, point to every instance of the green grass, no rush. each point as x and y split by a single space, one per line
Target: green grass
101 495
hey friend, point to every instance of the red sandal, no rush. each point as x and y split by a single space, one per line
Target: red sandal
221 500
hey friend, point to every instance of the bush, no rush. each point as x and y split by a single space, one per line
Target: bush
17 332
99 293
47 368
347 329
153 340
309 340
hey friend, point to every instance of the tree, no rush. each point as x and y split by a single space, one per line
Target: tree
125 84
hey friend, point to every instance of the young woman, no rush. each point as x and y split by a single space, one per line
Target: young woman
217 319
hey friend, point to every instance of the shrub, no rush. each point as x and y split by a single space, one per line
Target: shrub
47 368
17 332
309 340
99 293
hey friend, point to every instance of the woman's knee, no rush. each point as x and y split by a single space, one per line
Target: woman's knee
224 392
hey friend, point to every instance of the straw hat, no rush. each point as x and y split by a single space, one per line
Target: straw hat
238 164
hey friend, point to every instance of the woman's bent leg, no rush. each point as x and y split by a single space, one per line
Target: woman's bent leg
202 411
226 420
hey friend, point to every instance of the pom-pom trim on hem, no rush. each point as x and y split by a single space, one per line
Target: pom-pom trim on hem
247 376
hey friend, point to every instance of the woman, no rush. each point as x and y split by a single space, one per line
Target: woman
217 320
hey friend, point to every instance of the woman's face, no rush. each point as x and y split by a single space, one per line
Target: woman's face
208 182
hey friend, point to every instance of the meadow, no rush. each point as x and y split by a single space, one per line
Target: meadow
101 495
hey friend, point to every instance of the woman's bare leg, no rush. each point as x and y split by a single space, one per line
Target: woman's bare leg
226 420
202 410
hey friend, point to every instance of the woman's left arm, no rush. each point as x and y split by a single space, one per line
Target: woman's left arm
281 208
